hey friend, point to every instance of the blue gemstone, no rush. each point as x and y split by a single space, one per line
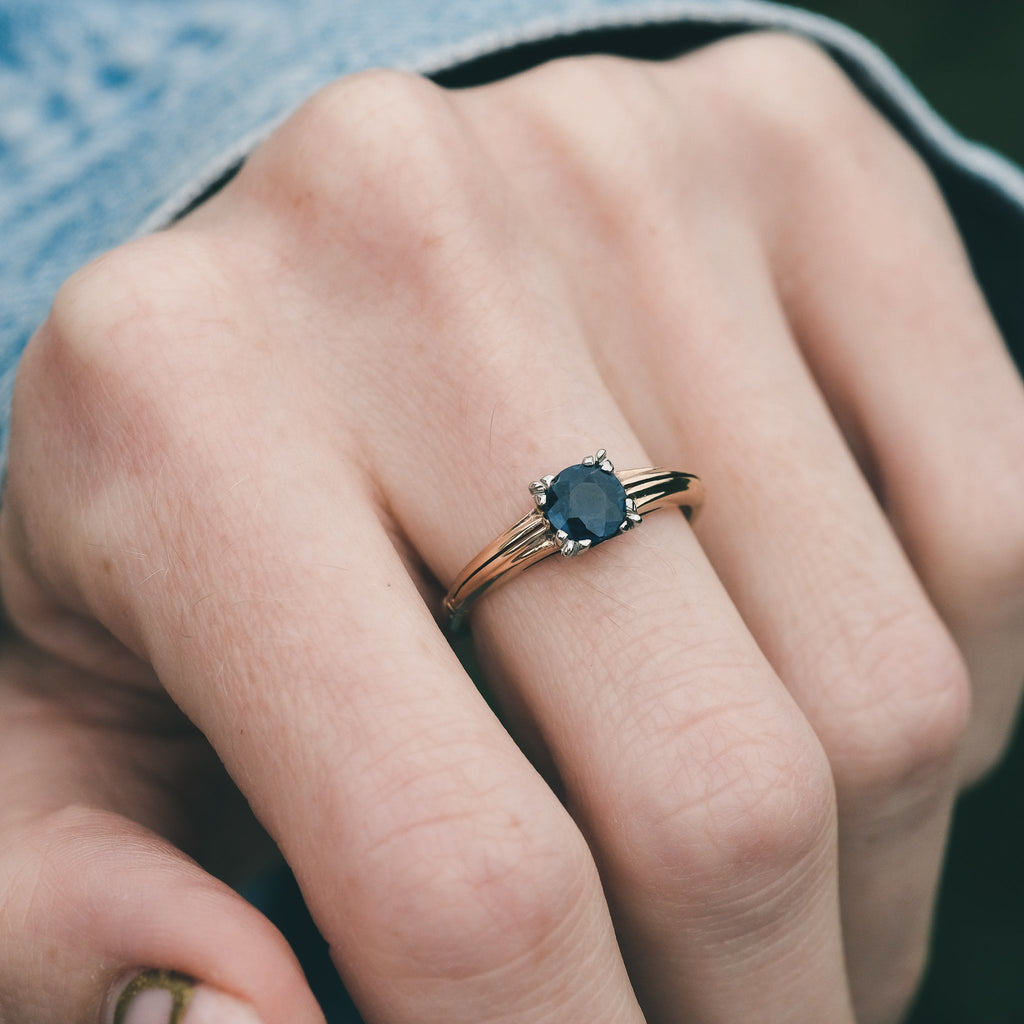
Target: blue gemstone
586 502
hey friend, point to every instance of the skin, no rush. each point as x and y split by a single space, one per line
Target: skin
248 453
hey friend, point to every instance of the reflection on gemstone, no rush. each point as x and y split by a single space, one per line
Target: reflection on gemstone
587 503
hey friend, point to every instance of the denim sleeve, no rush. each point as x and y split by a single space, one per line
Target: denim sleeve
116 115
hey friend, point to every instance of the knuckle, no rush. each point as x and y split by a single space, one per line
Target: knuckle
384 146
736 798
91 306
908 711
614 85
385 180
108 401
801 88
594 117
480 891
780 56
805 118
112 315
120 331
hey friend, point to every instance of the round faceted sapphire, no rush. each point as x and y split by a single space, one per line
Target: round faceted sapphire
587 503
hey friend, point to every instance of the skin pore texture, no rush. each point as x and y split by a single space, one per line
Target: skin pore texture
249 454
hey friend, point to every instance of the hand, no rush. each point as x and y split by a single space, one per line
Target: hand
250 452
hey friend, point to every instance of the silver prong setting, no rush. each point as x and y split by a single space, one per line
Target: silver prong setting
572 548
539 490
601 460
633 518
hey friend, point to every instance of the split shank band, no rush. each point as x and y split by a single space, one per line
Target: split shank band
563 521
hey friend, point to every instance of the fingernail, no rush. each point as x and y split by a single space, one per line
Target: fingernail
165 997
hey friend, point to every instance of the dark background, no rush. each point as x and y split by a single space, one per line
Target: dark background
967 58
968 61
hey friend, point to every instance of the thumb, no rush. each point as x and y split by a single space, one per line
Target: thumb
102 918
104 922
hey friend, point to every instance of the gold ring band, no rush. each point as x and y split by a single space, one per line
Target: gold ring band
535 537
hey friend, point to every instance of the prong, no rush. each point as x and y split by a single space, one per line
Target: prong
602 454
632 519
548 480
541 499
607 466
561 536
589 460
572 548
539 486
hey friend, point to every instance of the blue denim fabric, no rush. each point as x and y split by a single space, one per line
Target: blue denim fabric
114 114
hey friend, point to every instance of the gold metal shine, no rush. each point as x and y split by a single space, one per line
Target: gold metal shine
531 539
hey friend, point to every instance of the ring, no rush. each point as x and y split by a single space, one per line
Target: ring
576 509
